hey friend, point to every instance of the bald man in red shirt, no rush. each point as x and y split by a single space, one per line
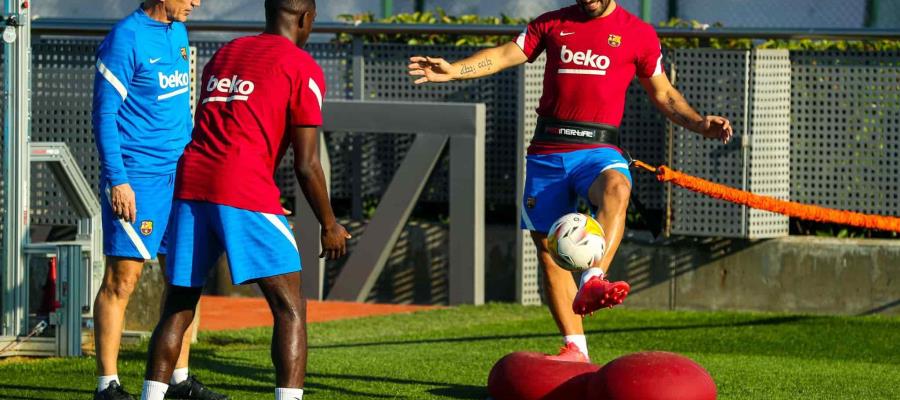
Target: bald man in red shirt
594 49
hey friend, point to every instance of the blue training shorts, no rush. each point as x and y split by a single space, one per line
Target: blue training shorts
554 182
146 237
258 245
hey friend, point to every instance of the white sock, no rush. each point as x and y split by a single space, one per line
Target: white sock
579 341
154 390
104 381
588 274
288 394
178 375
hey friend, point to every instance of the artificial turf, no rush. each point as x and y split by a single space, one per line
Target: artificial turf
447 354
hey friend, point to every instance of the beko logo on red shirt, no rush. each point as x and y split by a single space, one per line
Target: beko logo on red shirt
597 64
233 88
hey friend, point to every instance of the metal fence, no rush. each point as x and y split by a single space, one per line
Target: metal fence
845 130
776 13
839 112
752 89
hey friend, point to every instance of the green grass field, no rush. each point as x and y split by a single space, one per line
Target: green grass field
447 354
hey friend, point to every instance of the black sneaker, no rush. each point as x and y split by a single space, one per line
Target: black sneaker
192 389
113 392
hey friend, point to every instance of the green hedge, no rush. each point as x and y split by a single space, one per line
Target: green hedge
439 16
746 44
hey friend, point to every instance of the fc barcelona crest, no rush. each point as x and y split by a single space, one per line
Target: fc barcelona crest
615 40
146 228
184 53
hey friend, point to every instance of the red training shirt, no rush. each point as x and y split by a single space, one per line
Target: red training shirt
253 90
590 64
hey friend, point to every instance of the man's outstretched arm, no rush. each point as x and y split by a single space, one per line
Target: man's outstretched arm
673 105
482 63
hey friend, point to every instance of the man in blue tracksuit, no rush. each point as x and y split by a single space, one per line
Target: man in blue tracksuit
142 122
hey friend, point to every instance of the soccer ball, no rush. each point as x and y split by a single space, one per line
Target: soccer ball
576 241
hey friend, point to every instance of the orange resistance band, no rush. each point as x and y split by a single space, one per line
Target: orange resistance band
789 208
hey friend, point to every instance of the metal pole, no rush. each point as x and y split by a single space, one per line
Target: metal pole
646 10
420 5
387 8
467 215
68 330
871 13
359 93
16 168
673 9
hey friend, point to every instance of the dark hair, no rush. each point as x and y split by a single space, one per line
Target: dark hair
273 7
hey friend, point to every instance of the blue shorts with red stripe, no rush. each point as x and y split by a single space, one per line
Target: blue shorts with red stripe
257 245
554 182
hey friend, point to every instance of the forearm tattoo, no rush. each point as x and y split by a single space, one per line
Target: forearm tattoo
468 69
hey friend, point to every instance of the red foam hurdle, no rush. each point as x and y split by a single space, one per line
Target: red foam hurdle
531 376
652 375
639 376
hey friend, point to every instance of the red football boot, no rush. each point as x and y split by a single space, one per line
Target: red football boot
599 293
570 353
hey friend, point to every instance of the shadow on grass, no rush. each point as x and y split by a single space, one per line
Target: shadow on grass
41 392
757 322
461 392
260 381
445 389
264 380
455 391
257 380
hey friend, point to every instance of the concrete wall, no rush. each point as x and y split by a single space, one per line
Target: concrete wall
796 274
144 307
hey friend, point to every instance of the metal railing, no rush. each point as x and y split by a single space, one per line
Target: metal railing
101 27
460 127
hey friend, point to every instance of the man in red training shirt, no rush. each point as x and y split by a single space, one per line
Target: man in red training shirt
259 94
594 49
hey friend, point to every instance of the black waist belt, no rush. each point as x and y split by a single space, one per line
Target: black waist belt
554 130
